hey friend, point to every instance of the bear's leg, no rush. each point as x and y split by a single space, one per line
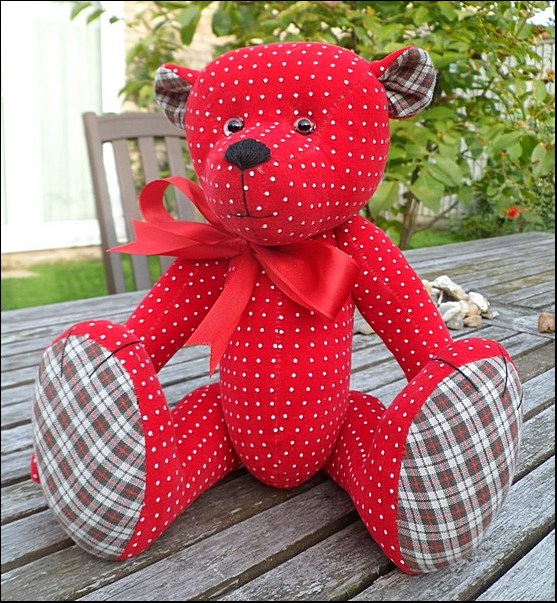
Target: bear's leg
115 464
443 457
355 440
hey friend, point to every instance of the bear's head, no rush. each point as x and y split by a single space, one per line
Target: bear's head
289 140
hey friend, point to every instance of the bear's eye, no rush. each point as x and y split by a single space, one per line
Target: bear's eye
234 124
304 126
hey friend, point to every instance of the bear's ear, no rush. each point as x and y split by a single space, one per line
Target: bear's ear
409 79
173 85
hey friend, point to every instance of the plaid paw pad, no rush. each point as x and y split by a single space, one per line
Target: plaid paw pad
89 444
459 463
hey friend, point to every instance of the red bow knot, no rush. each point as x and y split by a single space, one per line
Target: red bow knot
313 273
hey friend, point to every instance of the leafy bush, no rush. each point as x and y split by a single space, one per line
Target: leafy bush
492 103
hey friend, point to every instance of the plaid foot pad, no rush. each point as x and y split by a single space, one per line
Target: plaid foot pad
89 444
459 463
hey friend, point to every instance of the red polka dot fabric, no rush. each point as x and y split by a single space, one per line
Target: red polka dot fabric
289 142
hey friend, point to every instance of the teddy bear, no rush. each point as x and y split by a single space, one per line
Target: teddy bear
289 141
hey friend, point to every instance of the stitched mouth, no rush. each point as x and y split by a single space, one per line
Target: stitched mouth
247 213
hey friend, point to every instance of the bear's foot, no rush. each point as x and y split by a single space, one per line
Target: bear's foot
444 457
95 394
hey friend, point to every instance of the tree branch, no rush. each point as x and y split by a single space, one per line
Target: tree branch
438 217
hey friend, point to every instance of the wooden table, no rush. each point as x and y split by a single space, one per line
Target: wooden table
244 541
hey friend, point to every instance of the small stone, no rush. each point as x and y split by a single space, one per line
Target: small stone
546 323
456 305
473 309
364 329
479 300
448 285
473 321
450 310
456 323
436 295
433 292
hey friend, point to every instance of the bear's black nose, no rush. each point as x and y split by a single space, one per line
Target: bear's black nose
247 153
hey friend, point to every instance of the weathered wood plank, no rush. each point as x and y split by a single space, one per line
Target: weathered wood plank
20 392
537 446
528 514
467 253
72 572
538 442
175 372
539 393
234 555
520 319
495 281
183 376
542 302
518 297
17 414
530 363
374 372
64 314
188 362
30 538
520 342
15 466
20 500
486 247
69 312
316 564
531 579
367 351
536 361
341 564
18 438
491 277
35 339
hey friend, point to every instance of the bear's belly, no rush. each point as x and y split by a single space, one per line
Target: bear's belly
284 382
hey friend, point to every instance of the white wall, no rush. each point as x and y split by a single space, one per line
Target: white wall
53 69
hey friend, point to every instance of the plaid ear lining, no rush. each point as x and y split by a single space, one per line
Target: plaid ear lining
171 93
409 82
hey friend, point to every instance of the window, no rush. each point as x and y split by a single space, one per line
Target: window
52 71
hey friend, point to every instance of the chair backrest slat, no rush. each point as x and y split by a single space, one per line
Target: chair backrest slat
184 208
149 161
112 264
137 140
130 208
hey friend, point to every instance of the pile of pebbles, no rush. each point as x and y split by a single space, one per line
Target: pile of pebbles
458 308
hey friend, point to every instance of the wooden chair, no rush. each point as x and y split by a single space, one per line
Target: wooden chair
145 146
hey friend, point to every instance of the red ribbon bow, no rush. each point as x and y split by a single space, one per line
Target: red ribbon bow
313 273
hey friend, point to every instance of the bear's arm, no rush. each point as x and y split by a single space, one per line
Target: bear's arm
177 303
391 296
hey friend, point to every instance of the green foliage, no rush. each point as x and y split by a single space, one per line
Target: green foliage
492 103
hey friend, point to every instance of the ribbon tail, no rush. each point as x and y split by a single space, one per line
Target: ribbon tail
217 327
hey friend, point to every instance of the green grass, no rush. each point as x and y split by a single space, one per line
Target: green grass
62 281
53 283
65 281
433 238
